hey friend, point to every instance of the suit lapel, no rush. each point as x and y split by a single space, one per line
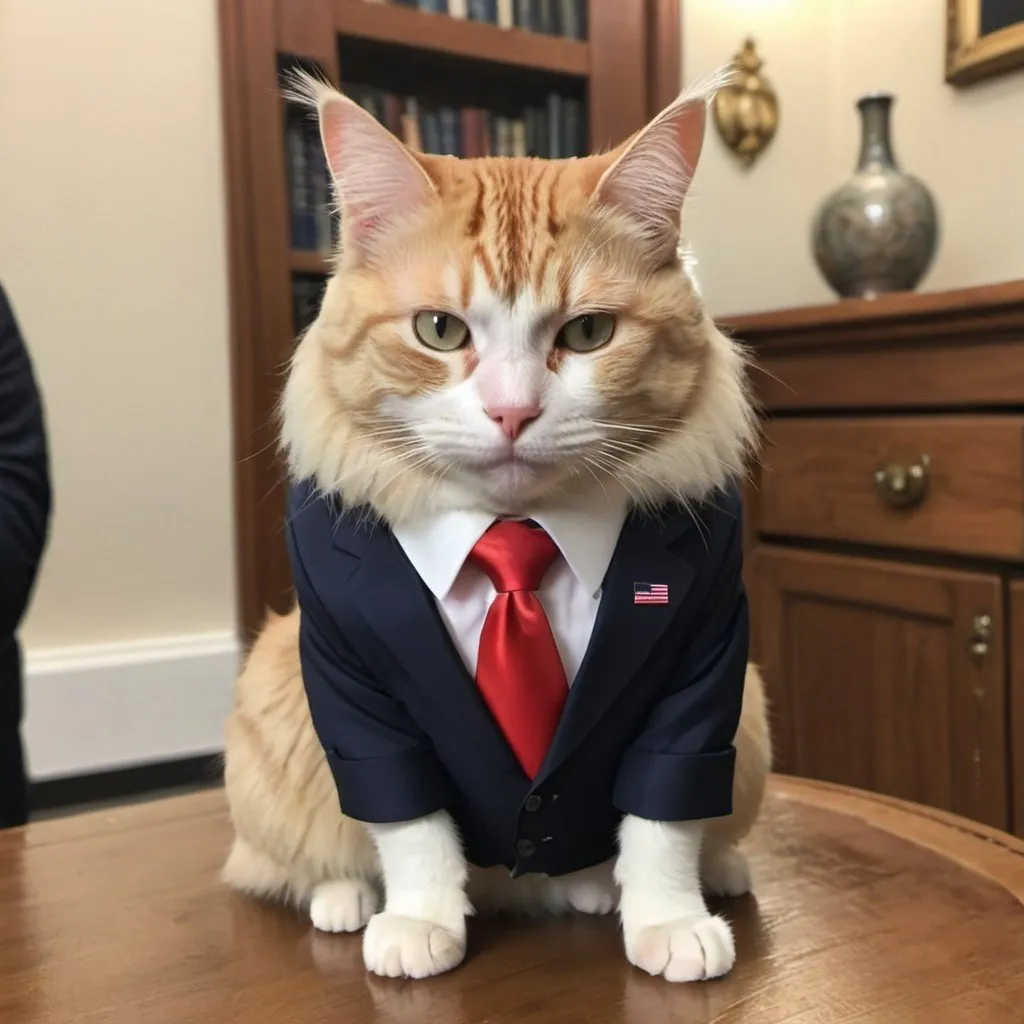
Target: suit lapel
402 612
624 633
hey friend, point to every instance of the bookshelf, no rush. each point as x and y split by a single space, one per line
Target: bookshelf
500 78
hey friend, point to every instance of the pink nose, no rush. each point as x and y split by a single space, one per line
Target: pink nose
512 418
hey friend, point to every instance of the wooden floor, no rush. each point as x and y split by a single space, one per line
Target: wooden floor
867 912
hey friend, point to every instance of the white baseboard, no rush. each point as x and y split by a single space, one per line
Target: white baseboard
102 706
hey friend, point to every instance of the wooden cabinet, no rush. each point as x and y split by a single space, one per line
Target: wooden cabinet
885 545
881 677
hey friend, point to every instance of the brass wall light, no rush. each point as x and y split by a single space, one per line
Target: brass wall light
747 110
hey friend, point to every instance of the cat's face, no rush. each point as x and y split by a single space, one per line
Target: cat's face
502 333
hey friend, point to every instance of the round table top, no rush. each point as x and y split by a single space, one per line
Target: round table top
867 911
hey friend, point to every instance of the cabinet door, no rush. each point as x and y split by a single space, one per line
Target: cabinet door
1015 639
887 677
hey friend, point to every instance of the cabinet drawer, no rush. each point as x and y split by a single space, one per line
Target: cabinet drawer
950 483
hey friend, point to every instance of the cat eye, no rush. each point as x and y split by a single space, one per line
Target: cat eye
440 331
587 333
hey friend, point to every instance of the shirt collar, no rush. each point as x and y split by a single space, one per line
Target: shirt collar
586 535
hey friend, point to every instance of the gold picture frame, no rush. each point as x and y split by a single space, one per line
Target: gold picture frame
971 56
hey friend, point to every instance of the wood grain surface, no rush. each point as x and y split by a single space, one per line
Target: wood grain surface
868 911
819 481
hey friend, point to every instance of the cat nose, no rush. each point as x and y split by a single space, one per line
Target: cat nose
512 418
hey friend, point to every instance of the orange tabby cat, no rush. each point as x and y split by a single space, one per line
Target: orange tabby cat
383 409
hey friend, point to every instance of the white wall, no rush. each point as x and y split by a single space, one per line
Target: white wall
113 253
751 229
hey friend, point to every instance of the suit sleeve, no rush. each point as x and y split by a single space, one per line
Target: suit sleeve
24 475
680 767
384 767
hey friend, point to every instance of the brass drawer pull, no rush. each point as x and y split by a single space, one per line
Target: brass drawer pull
981 636
903 486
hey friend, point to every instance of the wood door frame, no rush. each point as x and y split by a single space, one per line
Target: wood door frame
251 34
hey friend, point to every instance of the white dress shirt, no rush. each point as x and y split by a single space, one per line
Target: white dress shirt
438 547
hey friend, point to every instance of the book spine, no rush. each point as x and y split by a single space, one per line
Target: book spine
448 128
458 9
546 19
569 21
555 118
471 141
480 10
411 135
580 13
506 18
540 116
393 113
519 137
303 220
433 6
320 193
430 131
486 133
572 124
523 17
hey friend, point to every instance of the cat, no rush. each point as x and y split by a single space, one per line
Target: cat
510 251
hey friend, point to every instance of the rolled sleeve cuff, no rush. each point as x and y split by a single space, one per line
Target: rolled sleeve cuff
382 790
675 787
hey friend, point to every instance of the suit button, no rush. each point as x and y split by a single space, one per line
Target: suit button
525 848
533 803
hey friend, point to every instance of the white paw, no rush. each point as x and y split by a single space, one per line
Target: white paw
593 896
725 872
405 947
343 906
692 949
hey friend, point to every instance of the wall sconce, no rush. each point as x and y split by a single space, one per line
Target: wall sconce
747 110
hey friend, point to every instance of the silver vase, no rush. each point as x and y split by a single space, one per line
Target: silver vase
878 232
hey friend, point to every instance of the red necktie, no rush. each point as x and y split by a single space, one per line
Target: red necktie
519 670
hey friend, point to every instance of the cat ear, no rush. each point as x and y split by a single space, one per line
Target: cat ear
378 180
652 171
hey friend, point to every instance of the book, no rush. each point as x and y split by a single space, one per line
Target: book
573 134
411 125
570 19
555 116
450 131
546 17
430 131
300 200
473 144
433 6
518 137
523 17
486 133
458 9
320 193
393 113
483 10
506 17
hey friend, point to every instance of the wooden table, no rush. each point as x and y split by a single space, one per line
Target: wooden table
868 911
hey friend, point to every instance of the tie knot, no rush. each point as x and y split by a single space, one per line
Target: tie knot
515 556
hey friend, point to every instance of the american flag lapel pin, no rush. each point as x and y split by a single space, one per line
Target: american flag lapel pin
650 593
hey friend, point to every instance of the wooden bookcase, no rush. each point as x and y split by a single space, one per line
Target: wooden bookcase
625 70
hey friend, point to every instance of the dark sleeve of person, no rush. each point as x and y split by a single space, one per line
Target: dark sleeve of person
680 767
24 475
384 767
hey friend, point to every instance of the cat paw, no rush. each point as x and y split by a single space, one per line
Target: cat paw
405 947
692 949
593 896
726 872
343 906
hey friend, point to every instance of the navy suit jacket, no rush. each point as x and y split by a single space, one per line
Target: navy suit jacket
647 729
